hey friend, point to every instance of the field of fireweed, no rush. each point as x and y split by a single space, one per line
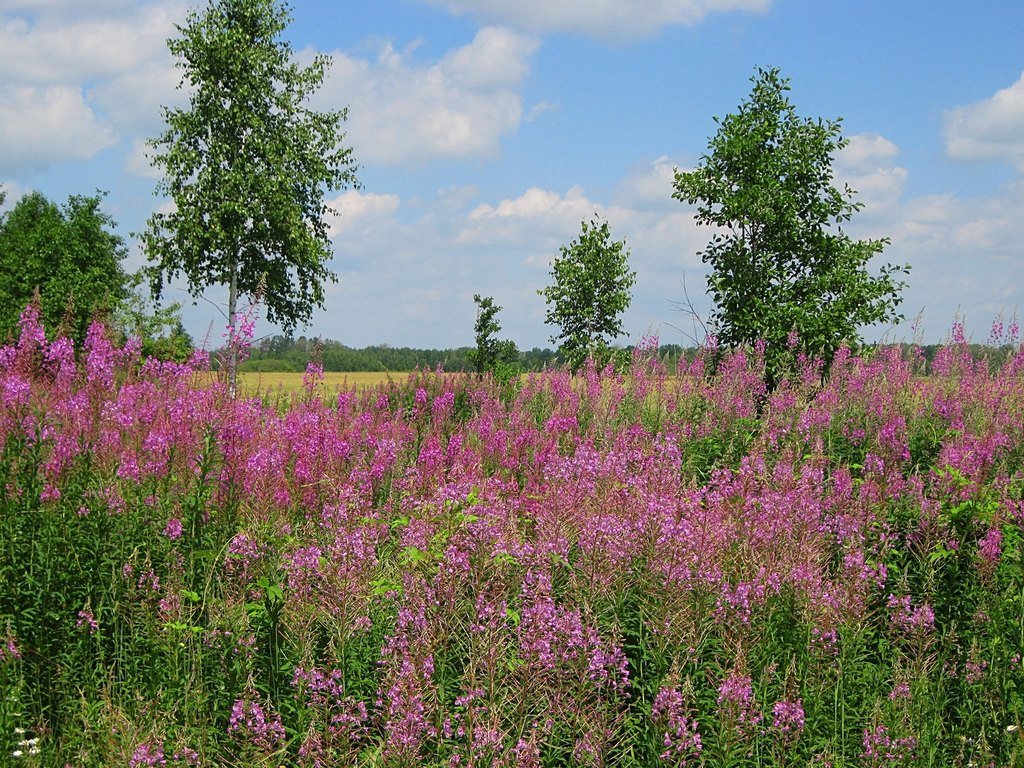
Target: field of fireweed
659 568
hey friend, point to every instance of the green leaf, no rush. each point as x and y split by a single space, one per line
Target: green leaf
413 555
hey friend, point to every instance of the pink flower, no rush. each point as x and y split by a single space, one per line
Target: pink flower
789 716
86 619
147 755
173 529
990 546
681 738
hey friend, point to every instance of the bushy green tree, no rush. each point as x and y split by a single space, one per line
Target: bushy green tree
781 268
498 356
247 165
70 254
590 291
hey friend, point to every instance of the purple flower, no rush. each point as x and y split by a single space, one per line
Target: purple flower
86 619
681 738
736 694
789 716
249 722
173 529
882 750
147 755
990 546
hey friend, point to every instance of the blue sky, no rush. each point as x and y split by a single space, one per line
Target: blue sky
486 130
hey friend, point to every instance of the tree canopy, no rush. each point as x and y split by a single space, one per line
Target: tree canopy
498 356
247 164
590 291
70 254
782 270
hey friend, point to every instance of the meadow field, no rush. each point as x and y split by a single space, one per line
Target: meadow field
287 382
663 567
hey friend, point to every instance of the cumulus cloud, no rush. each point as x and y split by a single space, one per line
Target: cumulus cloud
39 126
867 164
139 161
12 193
604 19
53 48
402 111
359 212
66 7
866 149
78 76
964 252
414 268
538 216
990 129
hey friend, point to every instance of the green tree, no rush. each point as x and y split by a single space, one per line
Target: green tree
70 255
491 354
247 166
780 262
590 290
159 328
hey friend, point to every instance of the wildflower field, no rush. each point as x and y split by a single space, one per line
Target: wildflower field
654 568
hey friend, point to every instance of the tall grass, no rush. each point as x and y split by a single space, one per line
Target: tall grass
662 567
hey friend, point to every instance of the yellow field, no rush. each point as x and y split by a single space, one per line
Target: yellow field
269 383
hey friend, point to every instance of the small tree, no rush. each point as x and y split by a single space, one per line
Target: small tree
591 289
246 166
782 270
159 328
70 254
491 354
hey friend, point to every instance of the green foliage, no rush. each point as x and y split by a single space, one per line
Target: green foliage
295 353
160 329
69 254
247 164
591 290
780 261
499 357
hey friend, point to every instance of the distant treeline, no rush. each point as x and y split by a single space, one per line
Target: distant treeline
282 353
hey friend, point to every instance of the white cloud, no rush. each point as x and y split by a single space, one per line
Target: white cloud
539 109
497 58
650 184
39 126
138 162
405 112
12 194
66 7
359 212
538 216
964 253
54 48
78 76
867 165
990 129
605 19
414 268
866 150
134 100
